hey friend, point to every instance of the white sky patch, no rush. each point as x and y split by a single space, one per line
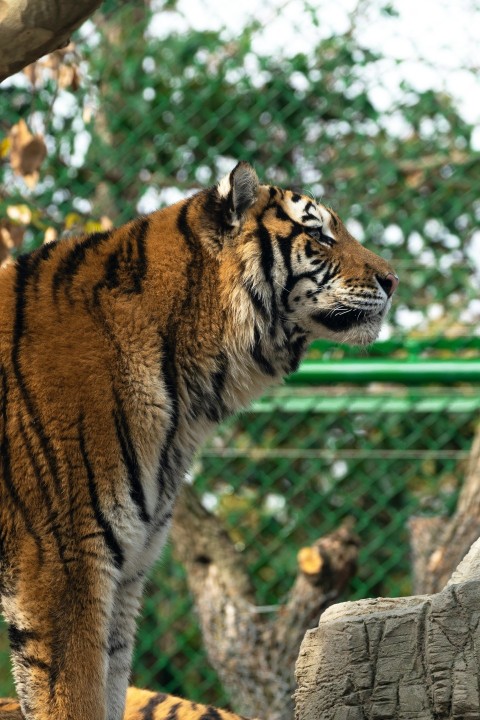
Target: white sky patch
475 139
356 229
474 250
274 503
81 143
409 319
432 44
152 199
393 235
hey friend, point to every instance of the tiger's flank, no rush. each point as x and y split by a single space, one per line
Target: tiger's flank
119 351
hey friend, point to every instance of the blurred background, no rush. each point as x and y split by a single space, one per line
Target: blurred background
373 108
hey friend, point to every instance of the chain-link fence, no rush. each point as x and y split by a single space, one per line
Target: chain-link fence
157 99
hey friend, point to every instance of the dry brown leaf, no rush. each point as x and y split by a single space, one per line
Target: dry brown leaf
68 77
106 223
27 152
415 179
50 235
31 72
310 560
20 214
11 236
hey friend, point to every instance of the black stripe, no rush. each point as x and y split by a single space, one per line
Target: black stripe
215 406
257 354
331 273
52 517
110 539
267 261
31 661
5 463
159 522
18 638
266 256
295 350
26 267
130 460
69 265
308 249
281 214
149 709
173 711
343 319
258 301
334 220
116 647
188 306
169 376
211 714
141 264
123 271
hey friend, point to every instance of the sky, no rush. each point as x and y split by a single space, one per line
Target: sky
430 44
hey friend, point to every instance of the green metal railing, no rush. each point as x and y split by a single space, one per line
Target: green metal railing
407 372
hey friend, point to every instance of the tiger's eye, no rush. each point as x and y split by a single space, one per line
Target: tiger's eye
315 234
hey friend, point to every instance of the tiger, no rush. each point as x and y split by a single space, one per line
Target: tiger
145 705
119 352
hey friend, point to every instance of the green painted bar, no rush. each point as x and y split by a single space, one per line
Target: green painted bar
366 404
358 372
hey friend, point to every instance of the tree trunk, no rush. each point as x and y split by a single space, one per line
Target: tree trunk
438 545
414 658
32 28
254 648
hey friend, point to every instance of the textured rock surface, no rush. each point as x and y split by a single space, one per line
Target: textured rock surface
415 658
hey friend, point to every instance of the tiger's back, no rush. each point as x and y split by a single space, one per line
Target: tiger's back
118 353
146 705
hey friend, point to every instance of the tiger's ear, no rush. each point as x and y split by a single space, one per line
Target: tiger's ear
238 191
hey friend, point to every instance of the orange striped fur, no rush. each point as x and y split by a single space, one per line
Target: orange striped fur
119 352
145 705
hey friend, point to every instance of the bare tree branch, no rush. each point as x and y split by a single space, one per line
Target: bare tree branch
32 28
439 544
254 648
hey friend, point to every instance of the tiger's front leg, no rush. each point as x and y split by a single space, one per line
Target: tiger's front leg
59 614
126 606
121 639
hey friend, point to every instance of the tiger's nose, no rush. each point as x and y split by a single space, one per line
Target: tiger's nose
389 283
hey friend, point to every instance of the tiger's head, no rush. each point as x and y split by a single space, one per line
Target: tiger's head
299 262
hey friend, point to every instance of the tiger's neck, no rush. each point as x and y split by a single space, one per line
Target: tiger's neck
221 349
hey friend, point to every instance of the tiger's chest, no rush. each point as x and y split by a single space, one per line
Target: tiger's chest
155 442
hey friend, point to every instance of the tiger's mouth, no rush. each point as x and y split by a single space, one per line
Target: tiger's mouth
344 318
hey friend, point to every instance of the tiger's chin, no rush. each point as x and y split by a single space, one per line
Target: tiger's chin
352 327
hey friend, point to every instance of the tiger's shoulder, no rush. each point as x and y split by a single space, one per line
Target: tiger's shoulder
145 705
